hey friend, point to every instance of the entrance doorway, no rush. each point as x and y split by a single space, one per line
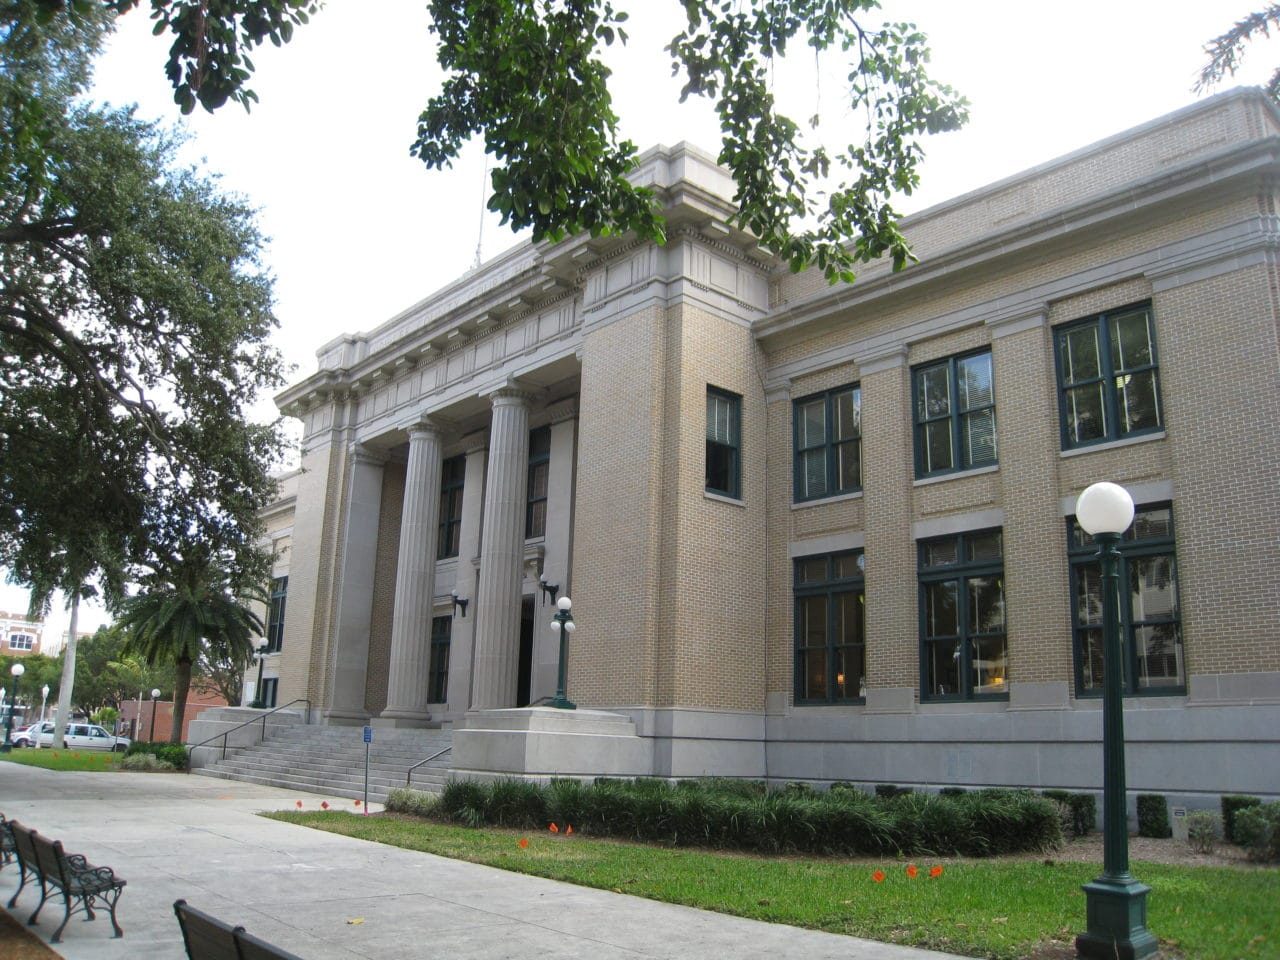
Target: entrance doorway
525 675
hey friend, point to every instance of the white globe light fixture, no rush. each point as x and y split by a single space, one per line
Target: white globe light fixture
17 670
1104 508
563 625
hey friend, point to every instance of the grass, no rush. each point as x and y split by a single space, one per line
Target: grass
99 760
1003 909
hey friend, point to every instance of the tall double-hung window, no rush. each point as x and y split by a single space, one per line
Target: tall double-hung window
438 671
828 441
1108 377
535 518
963 645
275 614
1150 622
955 414
452 477
831 664
724 443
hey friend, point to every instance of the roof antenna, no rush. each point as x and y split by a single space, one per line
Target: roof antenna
480 231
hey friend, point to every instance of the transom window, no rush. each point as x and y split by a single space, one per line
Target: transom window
828 440
535 518
452 479
1150 623
830 662
1108 379
275 614
438 672
963 645
955 414
724 443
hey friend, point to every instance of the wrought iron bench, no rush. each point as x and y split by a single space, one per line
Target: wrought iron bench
7 854
208 938
80 884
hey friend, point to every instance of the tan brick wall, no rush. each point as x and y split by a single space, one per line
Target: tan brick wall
1218 370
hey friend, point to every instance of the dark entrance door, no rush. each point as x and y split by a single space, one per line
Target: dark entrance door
525 674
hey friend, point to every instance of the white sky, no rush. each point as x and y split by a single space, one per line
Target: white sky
360 230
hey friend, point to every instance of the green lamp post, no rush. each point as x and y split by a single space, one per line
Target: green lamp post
1115 903
562 625
17 670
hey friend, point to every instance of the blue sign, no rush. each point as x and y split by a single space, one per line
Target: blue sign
368 734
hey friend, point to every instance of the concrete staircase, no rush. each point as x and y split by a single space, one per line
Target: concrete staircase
329 761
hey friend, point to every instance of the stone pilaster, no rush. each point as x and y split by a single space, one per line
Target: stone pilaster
462 637
502 553
407 680
355 600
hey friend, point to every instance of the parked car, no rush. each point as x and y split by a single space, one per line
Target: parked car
79 736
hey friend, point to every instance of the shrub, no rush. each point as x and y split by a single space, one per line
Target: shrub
952 792
464 801
1203 829
1257 829
419 803
1153 816
174 754
1233 803
145 761
1083 807
515 803
887 791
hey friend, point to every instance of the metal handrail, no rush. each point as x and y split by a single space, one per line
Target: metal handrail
408 777
239 726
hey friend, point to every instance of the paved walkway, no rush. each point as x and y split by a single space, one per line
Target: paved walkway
194 837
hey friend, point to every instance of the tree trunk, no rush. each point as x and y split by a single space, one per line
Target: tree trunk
67 686
181 687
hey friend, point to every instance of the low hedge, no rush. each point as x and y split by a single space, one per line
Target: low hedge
1257 829
835 822
174 754
1232 804
1153 816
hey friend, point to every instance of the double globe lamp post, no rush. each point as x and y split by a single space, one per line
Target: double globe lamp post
1115 903
563 625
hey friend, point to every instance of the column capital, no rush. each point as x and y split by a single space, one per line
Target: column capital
362 453
511 392
477 442
564 410
427 424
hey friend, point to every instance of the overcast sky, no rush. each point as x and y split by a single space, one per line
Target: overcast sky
360 230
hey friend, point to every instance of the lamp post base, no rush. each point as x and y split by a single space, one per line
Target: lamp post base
1116 913
561 702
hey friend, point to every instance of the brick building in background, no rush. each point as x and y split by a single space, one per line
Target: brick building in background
820 532
20 636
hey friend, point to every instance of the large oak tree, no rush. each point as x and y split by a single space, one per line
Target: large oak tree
527 76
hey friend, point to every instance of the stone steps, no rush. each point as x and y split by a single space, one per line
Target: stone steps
330 761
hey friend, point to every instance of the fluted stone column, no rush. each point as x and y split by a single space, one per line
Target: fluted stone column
407 678
355 601
497 646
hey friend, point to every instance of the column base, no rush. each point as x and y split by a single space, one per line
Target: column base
402 718
1116 912
345 718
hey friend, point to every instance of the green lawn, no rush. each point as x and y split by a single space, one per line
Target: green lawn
989 908
64 759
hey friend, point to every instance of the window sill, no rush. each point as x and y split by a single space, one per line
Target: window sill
721 498
823 501
1113 444
957 475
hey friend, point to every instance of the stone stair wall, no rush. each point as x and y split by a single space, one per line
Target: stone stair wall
330 761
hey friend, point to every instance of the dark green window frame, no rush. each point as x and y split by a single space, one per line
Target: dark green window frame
535 516
964 643
275 614
724 443
827 430
954 408
438 671
830 629
452 480
1108 377
270 692
1150 614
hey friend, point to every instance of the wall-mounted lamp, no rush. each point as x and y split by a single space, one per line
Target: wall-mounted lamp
459 602
548 589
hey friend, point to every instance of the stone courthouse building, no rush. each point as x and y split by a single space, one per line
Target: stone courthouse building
817 532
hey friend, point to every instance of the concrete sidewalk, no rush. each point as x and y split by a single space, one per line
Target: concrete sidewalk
198 838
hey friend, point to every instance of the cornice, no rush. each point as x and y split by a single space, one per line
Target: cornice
1199 182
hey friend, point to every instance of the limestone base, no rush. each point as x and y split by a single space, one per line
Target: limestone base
543 742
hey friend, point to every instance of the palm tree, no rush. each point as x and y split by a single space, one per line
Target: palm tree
196 614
